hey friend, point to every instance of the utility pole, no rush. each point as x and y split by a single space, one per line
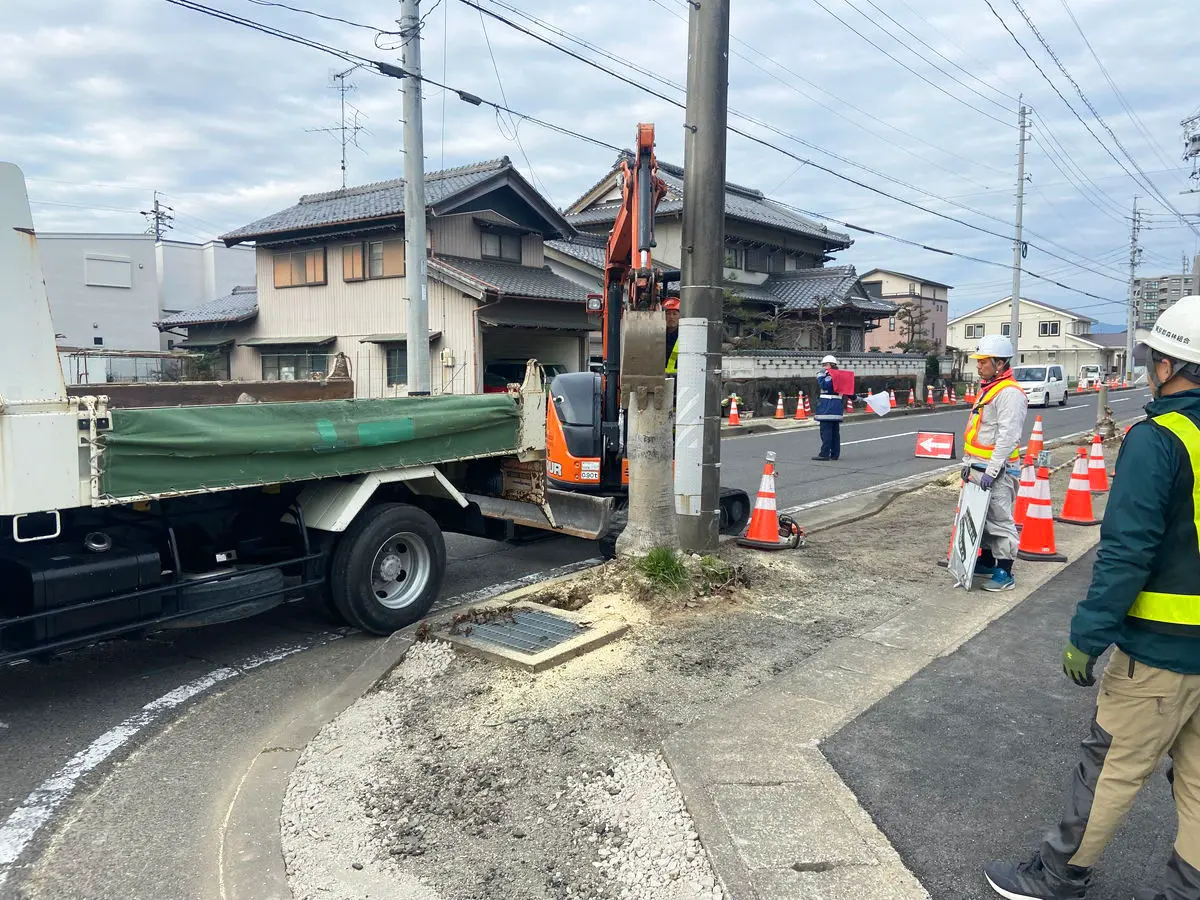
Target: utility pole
1131 308
1014 328
348 134
160 217
698 431
415 264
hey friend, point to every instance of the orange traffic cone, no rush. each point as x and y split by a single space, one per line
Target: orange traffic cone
953 395
1097 473
970 397
767 529
929 395
946 396
1077 505
735 417
849 406
801 413
912 397
1025 492
1079 387
1037 440
892 399
1037 537
779 413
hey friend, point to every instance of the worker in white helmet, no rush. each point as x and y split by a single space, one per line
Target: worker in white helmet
1144 602
991 446
829 413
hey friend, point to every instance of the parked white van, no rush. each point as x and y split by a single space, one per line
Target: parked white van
1043 384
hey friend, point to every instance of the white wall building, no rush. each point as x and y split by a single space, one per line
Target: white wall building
107 291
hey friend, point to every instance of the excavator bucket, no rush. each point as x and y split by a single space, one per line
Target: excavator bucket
643 352
580 515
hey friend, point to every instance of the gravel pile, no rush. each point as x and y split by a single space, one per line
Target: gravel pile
646 842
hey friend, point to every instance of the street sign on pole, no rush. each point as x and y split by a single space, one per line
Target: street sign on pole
935 445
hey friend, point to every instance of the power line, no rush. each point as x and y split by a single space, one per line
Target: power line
908 68
1129 111
309 12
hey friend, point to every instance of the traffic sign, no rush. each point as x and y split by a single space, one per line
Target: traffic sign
935 445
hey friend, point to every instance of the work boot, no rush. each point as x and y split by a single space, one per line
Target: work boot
1000 581
1033 881
820 459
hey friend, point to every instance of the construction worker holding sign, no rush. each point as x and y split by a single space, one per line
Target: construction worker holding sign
992 456
1144 598
829 412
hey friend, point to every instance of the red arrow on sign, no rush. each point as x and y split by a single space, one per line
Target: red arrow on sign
934 445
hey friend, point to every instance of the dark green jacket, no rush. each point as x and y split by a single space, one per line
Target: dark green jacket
1149 527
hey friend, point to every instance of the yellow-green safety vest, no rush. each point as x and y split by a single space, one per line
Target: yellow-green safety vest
673 359
971 445
1169 608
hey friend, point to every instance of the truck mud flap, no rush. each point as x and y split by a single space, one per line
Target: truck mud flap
579 515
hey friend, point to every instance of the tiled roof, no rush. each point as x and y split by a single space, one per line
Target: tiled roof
509 279
369 201
837 286
588 248
239 306
743 203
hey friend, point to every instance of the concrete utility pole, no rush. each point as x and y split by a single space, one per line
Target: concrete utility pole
1131 307
1014 328
698 431
416 281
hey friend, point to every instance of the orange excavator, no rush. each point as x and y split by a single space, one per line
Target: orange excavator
585 420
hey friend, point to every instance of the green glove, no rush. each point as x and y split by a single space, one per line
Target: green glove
1078 666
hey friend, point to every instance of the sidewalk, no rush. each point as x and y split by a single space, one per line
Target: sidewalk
777 820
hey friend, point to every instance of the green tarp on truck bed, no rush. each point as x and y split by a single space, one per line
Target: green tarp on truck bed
174 449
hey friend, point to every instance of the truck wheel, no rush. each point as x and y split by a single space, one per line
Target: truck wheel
388 568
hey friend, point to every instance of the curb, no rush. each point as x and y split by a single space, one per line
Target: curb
251 864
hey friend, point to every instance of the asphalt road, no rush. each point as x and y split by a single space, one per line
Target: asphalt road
66 725
969 761
877 451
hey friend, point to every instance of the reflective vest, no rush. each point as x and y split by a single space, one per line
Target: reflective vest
1170 612
971 445
673 359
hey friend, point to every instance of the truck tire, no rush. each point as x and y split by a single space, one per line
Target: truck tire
388 568
199 598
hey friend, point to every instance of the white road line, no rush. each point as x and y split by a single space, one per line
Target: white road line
882 437
23 824
495 590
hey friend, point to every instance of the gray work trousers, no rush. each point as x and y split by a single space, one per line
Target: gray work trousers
999 530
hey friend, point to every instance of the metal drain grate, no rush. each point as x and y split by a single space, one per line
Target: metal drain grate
528 631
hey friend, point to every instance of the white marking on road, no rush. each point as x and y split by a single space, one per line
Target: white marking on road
495 590
882 437
20 828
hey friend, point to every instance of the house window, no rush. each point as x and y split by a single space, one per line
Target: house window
974 331
734 257
776 262
757 260
294 364
1006 329
1051 354
397 366
1048 329
501 245
373 259
892 323
98 341
912 288
300 267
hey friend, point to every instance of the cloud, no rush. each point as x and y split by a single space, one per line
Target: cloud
108 102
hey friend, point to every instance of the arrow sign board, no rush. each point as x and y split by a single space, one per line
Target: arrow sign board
934 445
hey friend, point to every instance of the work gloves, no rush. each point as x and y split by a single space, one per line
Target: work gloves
1078 666
987 481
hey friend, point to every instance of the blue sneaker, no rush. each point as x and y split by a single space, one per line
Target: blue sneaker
1000 581
982 571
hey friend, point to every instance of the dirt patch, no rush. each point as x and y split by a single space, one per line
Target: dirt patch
476 781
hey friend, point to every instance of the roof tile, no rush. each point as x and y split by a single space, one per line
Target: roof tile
239 306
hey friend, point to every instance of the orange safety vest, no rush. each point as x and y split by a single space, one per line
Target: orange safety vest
970 445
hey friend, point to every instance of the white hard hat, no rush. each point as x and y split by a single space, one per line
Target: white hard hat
829 359
994 346
1177 332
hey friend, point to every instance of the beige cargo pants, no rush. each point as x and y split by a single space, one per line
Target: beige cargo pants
1141 713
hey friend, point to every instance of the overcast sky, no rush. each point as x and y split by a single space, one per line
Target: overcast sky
106 102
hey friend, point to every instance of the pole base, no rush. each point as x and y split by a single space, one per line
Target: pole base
1077 521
